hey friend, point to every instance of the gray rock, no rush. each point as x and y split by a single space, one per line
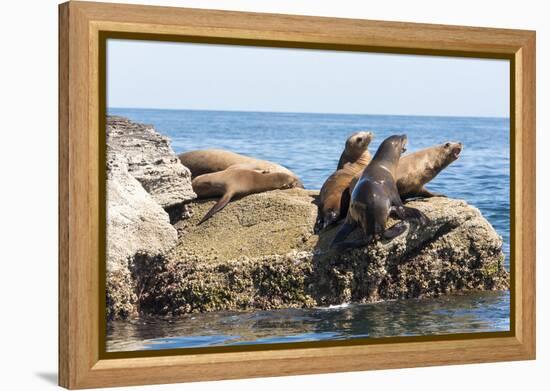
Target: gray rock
260 252
150 160
135 222
137 228
144 177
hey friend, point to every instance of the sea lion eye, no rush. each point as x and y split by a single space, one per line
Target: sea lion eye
447 145
359 139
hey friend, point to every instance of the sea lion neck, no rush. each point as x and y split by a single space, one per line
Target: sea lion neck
389 152
441 159
388 158
365 158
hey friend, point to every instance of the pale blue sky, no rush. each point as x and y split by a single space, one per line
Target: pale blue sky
143 74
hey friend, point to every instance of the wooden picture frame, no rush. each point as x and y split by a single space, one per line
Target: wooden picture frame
83 27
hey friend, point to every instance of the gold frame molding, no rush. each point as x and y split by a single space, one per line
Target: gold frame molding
83 30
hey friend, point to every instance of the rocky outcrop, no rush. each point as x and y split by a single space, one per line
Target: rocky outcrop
260 252
150 160
136 227
144 177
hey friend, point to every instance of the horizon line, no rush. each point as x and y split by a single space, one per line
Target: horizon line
306 112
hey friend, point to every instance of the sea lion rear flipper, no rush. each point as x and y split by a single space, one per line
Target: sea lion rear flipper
217 207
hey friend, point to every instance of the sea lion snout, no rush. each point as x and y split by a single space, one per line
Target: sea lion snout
455 148
360 140
293 183
364 138
404 140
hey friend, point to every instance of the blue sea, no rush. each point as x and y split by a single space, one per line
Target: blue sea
310 145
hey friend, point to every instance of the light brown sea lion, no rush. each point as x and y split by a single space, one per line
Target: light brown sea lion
355 147
334 195
206 161
375 196
418 168
239 182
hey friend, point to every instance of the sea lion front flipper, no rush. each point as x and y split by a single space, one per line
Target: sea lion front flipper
329 218
344 203
343 233
323 218
425 193
406 213
217 207
249 166
394 231
416 214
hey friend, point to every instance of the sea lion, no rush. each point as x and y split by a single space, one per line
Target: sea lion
334 195
355 147
206 161
375 197
418 168
238 182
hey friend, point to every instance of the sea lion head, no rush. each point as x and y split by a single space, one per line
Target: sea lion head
392 148
207 185
286 181
358 143
451 151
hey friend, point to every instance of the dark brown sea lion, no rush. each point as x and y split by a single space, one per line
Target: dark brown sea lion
334 195
418 168
355 148
239 182
375 196
206 161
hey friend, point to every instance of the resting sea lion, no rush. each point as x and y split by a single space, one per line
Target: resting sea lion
239 181
206 161
334 195
418 168
356 145
375 196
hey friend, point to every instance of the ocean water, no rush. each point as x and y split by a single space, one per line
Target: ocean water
481 312
310 145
